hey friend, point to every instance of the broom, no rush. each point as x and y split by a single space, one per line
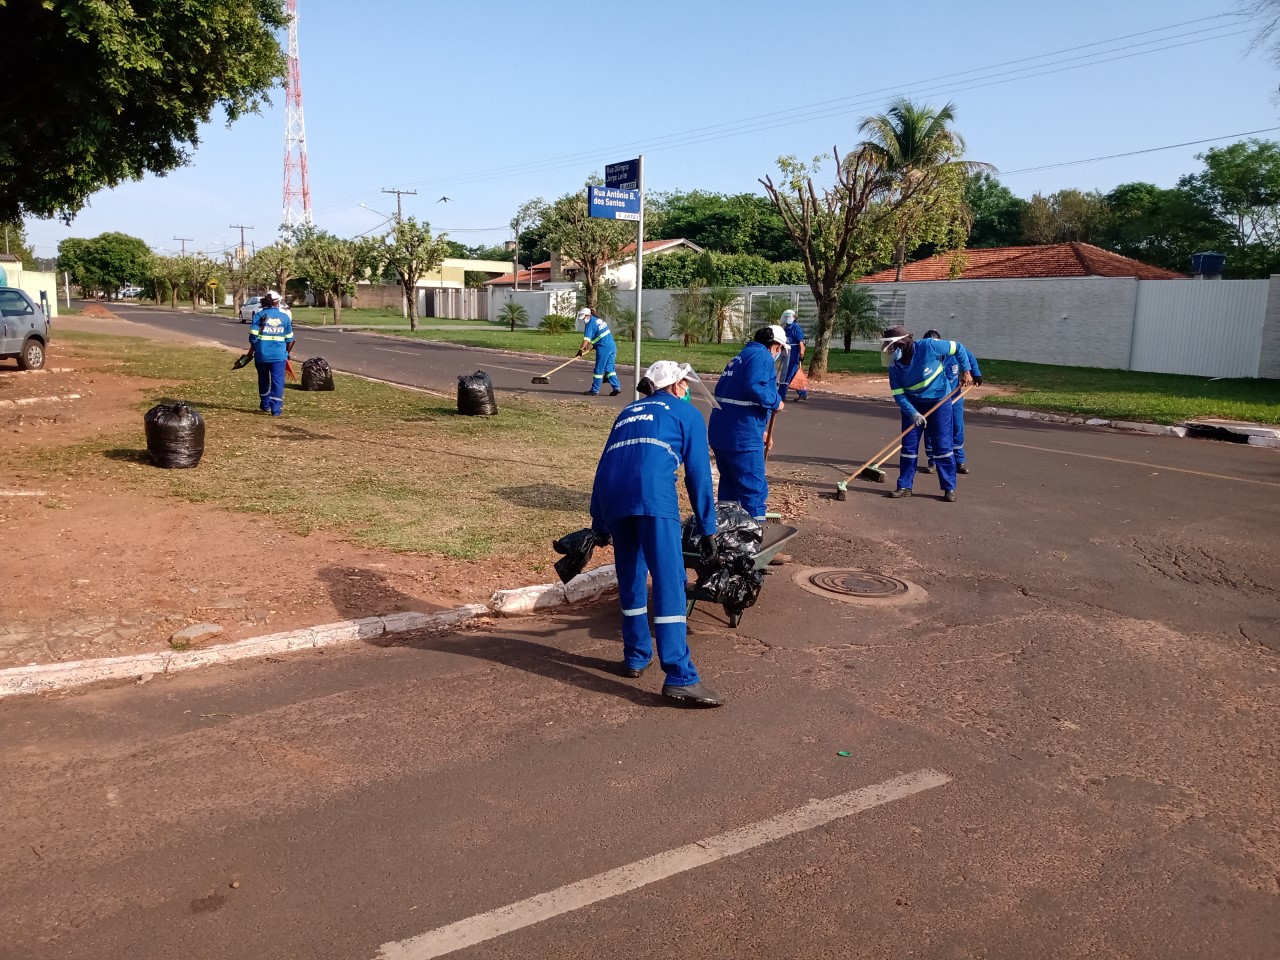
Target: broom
546 377
871 471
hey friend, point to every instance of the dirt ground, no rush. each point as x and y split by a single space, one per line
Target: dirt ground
96 571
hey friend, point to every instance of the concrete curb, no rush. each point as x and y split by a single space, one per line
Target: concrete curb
1254 434
46 677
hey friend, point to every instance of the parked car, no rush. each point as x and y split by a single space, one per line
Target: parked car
24 329
249 308
130 292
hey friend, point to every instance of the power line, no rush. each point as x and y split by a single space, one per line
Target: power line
1134 153
836 107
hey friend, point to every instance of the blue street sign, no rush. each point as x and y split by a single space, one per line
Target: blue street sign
624 175
606 203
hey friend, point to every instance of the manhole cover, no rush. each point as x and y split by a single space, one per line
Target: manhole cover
858 586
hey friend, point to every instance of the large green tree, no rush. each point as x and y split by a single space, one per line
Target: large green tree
412 252
838 230
923 156
744 223
1160 226
333 265
996 212
106 262
95 93
1066 215
13 241
590 243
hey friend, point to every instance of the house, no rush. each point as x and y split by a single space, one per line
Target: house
1048 261
622 272
40 286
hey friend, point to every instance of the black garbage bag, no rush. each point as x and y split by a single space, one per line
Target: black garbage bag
736 530
316 374
577 548
175 435
475 395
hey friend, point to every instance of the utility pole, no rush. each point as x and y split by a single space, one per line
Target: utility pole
242 228
185 241
399 194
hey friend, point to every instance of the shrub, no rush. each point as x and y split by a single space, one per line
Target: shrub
556 323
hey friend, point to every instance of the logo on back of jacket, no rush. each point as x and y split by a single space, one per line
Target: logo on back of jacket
274 324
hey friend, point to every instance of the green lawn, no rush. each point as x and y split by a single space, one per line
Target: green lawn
373 316
385 466
1081 391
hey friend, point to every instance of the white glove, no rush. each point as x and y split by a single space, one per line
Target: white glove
919 420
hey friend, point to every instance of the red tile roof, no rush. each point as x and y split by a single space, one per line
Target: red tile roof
1030 263
657 246
535 274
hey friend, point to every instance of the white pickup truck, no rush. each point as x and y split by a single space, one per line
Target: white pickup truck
24 329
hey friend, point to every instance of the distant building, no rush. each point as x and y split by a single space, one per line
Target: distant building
622 272
33 283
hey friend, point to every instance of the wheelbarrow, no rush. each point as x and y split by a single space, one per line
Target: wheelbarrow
745 573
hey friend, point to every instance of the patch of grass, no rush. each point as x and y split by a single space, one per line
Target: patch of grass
1079 391
373 316
1128 395
384 466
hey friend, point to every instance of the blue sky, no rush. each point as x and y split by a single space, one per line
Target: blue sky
494 104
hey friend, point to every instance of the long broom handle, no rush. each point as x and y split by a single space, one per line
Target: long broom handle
889 447
562 366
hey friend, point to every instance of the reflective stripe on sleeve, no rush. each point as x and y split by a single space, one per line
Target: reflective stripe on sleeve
896 392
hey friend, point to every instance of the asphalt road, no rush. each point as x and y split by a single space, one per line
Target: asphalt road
1086 698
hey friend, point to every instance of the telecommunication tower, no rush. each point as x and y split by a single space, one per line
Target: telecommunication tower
297 186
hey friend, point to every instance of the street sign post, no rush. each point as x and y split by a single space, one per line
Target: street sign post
622 198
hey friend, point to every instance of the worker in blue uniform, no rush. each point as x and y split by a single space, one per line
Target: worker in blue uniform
963 360
748 394
270 343
634 501
918 382
795 348
596 335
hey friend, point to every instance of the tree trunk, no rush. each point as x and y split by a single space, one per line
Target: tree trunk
899 258
848 341
337 307
822 337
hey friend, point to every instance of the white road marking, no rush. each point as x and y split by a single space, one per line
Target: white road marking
1136 463
23 493
633 876
407 353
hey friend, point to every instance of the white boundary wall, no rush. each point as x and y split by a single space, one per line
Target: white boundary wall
1208 328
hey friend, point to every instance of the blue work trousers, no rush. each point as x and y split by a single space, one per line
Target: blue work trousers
957 433
742 479
605 359
271 386
644 546
938 435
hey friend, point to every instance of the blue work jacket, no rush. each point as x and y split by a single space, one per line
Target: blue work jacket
270 334
747 392
636 477
597 331
963 360
925 377
795 337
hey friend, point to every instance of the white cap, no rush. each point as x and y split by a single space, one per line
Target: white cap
663 373
777 335
584 313
786 316
272 294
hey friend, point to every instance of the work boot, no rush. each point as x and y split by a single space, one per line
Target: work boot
899 493
616 391
949 496
927 468
961 468
628 671
695 695
590 393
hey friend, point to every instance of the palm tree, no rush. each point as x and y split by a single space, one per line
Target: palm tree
857 315
720 303
917 148
513 313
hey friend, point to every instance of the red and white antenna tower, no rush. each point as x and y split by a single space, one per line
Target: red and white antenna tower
297 186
